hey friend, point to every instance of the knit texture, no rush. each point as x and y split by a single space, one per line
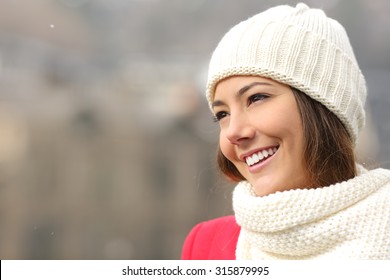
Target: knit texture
300 47
348 220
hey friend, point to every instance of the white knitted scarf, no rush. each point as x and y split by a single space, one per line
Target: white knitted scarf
348 220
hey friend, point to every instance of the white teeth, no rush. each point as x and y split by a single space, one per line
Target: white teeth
255 158
260 155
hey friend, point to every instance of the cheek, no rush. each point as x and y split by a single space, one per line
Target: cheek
223 144
285 121
286 127
226 147
289 129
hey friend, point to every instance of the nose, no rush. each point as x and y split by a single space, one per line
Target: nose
239 129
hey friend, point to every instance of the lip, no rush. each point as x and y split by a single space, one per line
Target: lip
260 165
244 156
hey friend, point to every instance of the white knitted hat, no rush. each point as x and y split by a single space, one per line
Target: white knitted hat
300 47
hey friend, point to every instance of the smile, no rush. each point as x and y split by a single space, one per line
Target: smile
260 156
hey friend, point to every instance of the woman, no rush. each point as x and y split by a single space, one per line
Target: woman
289 96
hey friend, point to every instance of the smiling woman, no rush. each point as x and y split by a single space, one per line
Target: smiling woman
261 133
323 134
288 94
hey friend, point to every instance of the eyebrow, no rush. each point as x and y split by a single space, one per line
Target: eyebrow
241 91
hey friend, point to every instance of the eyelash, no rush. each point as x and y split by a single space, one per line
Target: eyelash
256 97
251 99
218 116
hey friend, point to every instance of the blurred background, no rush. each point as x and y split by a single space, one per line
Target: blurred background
107 146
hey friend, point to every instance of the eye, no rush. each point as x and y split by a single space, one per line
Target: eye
256 97
219 116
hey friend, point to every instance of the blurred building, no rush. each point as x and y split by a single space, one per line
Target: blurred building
107 147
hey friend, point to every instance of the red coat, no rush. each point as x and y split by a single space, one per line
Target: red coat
212 240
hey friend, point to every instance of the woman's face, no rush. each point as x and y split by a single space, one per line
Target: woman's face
261 132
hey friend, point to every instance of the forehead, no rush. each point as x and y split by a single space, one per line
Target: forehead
234 84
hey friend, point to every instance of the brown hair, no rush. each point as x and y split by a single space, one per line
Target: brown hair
328 154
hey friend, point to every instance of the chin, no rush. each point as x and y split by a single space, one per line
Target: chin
266 187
